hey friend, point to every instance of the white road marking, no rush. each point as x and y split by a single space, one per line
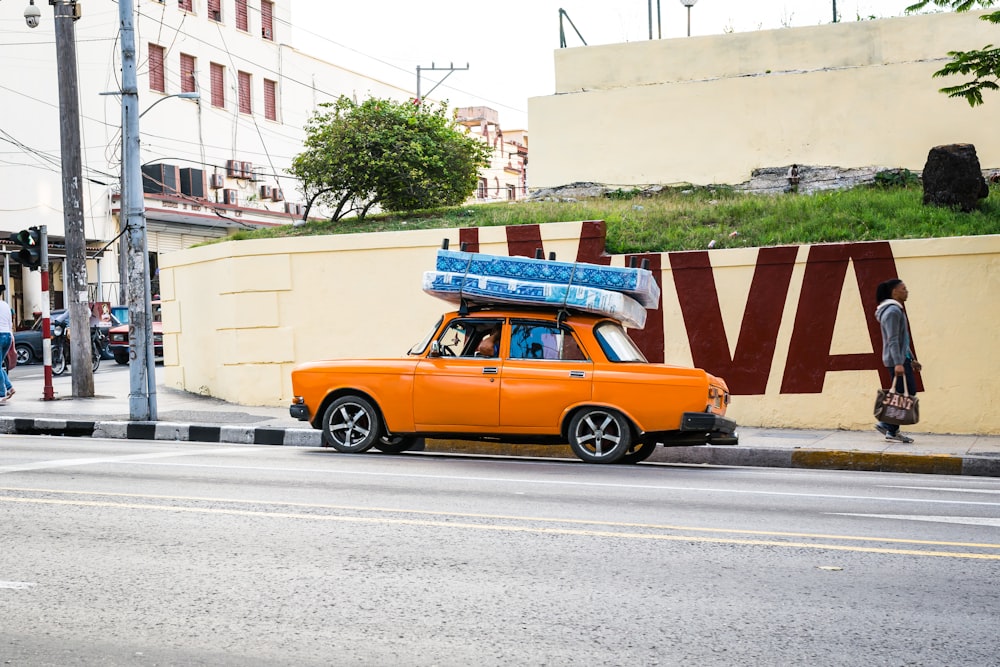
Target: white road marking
16 585
564 482
66 463
965 520
948 489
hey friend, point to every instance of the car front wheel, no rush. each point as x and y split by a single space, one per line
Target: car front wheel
350 425
599 435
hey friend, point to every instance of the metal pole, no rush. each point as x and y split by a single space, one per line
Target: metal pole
75 273
47 393
834 11
142 380
689 20
649 5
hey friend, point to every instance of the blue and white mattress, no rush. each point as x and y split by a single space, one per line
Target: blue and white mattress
484 289
638 284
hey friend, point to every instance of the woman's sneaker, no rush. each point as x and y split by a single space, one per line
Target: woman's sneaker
898 437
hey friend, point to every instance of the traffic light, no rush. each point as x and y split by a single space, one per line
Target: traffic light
30 254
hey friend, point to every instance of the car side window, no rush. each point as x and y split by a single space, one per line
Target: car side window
537 340
471 338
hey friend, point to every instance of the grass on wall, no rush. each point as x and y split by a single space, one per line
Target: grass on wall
694 218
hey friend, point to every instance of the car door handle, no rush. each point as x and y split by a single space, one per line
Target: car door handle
577 374
491 370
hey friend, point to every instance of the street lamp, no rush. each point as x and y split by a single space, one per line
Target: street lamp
184 96
689 4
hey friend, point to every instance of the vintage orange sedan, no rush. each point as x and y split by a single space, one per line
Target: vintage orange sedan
515 374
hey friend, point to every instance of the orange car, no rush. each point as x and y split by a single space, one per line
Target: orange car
550 378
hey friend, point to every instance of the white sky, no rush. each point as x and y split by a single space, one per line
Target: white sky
508 44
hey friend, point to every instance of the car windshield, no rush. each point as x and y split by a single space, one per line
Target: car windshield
616 344
422 345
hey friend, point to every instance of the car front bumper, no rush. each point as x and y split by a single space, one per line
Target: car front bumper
299 411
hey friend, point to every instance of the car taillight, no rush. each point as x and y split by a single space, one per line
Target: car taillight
117 338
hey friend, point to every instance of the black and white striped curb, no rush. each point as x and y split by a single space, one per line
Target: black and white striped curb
244 435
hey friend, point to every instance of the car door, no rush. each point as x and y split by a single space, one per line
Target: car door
458 390
545 372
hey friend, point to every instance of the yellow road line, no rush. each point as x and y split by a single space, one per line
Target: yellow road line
509 517
510 529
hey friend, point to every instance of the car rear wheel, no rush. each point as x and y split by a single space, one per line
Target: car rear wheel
24 354
639 452
121 357
351 425
396 444
599 435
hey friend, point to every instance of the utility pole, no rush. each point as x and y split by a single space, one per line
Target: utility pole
142 377
75 273
451 69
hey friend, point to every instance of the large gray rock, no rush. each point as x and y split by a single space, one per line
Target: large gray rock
953 177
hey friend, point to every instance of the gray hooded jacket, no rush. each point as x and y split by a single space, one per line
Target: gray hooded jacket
895 333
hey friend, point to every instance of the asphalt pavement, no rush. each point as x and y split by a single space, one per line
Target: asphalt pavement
191 417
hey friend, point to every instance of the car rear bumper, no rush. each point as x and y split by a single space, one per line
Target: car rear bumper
707 422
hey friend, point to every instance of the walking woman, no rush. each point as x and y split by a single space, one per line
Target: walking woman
6 340
896 355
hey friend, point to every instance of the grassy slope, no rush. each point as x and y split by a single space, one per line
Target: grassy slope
690 219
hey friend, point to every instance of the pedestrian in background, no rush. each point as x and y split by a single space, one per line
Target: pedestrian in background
6 340
896 355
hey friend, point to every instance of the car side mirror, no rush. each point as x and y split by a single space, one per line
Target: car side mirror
435 349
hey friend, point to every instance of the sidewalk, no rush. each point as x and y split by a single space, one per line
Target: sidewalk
190 417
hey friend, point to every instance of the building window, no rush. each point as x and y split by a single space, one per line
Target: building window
186 5
215 10
511 192
157 78
244 93
187 74
270 99
242 21
481 190
267 20
218 85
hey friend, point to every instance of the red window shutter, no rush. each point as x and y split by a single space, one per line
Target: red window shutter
270 98
244 89
267 20
242 22
218 85
157 80
215 10
187 73
186 4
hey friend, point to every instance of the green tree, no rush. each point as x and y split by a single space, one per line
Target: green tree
983 64
399 156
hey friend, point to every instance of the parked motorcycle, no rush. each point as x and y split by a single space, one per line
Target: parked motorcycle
61 348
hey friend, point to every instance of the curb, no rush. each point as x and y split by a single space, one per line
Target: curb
818 459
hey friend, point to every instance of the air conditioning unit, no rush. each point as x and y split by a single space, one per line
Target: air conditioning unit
230 197
265 192
234 169
247 170
193 182
267 33
160 179
217 181
277 194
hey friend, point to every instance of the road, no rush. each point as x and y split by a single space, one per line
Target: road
156 553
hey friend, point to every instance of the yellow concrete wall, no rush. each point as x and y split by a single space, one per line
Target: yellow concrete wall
239 315
711 109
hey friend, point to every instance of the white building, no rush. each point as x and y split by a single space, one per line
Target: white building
506 176
211 166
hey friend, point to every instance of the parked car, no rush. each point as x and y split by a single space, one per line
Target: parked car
28 342
557 377
118 338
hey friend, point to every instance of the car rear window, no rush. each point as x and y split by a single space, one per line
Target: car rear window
616 344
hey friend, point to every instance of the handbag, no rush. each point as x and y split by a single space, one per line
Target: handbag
895 408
